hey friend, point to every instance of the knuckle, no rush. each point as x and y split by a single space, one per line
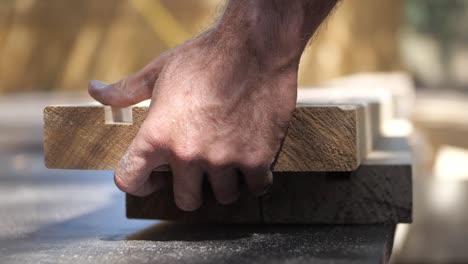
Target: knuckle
129 90
219 162
257 162
221 158
187 154
152 141
126 92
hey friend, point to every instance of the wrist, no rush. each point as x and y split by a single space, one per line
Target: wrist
274 31
263 32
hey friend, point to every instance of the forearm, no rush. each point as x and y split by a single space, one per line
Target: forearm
275 31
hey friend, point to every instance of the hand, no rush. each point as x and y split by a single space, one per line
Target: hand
216 111
221 103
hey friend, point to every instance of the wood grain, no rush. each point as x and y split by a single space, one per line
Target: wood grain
370 124
320 138
378 104
379 191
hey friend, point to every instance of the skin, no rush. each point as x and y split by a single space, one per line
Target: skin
221 103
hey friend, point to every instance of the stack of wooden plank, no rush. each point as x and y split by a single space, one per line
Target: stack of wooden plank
335 166
440 118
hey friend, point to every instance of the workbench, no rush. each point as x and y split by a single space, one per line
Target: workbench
70 217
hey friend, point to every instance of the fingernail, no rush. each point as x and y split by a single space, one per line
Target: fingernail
98 84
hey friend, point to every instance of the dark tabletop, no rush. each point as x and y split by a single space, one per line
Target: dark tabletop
57 216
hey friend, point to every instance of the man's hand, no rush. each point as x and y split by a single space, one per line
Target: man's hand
221 103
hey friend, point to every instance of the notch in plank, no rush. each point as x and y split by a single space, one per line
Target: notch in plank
117 115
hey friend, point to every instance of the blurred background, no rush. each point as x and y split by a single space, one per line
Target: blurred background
60 45
50 49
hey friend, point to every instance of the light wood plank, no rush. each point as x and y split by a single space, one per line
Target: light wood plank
373 120
320 138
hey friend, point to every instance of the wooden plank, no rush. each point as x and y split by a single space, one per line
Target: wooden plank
379 191
380 101
399 85
325 137
440 119
371 194
373 120
389 96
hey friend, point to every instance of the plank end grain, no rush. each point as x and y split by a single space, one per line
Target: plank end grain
323 138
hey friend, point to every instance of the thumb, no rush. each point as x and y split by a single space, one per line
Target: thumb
131 90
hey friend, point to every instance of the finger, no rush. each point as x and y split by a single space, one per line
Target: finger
258 180
156 181
225 185
131 90
187 180
133 172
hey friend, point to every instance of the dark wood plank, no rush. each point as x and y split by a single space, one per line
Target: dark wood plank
379 191
161 206
372 194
